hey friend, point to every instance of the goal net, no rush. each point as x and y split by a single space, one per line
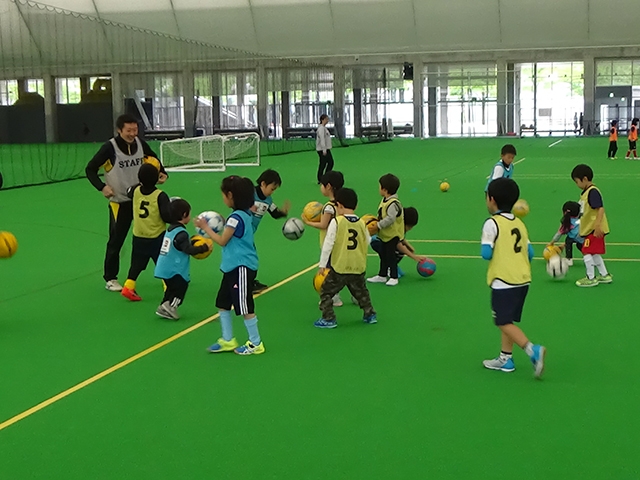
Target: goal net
212 153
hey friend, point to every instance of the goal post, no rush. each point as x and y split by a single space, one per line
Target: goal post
211 153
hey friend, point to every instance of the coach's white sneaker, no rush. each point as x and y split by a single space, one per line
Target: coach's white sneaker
570 262
113 286
377 279
392 282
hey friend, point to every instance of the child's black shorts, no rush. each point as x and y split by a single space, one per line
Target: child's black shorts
507 304
236 290
632 144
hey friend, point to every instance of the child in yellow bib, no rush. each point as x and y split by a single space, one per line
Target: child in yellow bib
151 213
390 230
593 227
346 244
330 183
505 243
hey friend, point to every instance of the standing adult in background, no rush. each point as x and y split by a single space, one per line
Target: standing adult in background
121 158
323 147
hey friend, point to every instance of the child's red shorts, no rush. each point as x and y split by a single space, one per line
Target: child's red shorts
593 245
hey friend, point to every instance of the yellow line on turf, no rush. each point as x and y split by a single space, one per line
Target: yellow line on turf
613 244
138 356
478 257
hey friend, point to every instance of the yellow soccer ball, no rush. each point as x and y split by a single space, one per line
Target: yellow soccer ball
312 211
198 240
371 222
551 251
8 245
444 186
521 208
319 278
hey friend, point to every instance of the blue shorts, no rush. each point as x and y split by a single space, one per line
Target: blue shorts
507 304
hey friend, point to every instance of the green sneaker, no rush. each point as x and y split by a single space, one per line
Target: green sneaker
608 278
586 282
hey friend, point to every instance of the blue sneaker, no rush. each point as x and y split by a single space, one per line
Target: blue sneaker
499 364
322 323
537 359
400 272
371 319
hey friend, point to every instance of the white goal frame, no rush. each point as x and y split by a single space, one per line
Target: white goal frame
221 164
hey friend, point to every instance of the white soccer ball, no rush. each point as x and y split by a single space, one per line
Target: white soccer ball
293 228
557 267
215 220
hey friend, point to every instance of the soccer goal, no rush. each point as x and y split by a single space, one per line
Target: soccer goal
212 153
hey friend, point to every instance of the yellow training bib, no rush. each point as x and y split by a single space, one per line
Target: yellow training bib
510 261
147 221
349 254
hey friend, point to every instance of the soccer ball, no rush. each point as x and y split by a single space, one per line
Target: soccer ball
557 267
319 279
198 240
426 267
550 251
372 223
215 220
312 211
293 228
444 186
8 245
153 161
520 209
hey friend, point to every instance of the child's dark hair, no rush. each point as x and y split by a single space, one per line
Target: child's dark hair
178 208
635 121
333 178
347 197
508 149
569 209
323 116
614 123
505 193
581 171
410 216
268 177
241 189
148 175
390 183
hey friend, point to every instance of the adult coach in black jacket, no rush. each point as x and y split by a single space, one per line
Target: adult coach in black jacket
121 158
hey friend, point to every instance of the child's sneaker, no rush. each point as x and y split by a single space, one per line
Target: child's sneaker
259 287
377 279
165 310
322 323
371 319
570 262
499 364
392 282
223 346
337 301
130 294
250 349
587 282
627 158
113 286
608 278
537 359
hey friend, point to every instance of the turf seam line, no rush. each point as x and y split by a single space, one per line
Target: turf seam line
137 356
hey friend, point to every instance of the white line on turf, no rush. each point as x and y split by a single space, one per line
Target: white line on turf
555 143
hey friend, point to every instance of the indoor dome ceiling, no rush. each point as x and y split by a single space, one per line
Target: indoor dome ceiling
335 27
